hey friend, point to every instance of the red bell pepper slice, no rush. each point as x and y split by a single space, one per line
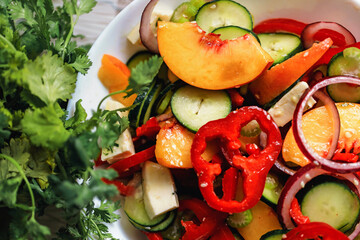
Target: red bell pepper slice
296 214
150 129
315 230
209 218
153 236
122 188
280 25
127 166
338 38
253 168
325 59
124 164
236 99
229 184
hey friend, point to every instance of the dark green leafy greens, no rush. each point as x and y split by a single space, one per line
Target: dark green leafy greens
46 157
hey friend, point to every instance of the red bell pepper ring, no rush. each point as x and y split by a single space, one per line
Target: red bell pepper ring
223 233
254 168
280 25
296 214
229 183
314 230
209 218
153 236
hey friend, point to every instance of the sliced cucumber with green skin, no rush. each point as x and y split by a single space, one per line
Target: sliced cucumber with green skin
138 57
222 13
193 107
149 103
272 189
186 11
142 112
159 227
280 46
232 32
345 63
134 208
239 219
331 202
164 98
274 235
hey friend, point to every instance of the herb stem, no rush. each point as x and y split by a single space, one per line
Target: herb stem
60 166
97 229
13 161
109 95
68 37
2 38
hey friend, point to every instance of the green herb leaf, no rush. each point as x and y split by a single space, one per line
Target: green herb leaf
49 79
45 128
9 190
143 74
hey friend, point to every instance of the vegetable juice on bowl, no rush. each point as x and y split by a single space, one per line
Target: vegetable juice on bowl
218 146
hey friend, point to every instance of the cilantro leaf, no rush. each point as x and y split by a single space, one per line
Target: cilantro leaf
82 64
143 74
49 79
44 127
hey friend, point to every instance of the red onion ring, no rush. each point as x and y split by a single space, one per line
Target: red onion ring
337 31
299 135
147 36
298 181
279 164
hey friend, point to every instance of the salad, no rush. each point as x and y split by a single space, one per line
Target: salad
219 146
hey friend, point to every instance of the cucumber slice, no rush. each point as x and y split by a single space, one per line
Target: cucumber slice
159 227
164 98
331 202
222 13
193 107
280 46
239 219
138 57
134 208
272 190
345 63
142 112
186 11
231 32
274 235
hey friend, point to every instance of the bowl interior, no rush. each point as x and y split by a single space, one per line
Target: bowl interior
113 41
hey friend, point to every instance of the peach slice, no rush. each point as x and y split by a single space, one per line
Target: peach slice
205 61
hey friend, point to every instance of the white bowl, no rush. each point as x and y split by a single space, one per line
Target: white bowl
113 41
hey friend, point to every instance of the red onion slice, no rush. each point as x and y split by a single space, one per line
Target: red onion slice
296 182
321 30
280 165
147 36
299 135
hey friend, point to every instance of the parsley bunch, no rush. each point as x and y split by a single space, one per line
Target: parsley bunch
46 165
